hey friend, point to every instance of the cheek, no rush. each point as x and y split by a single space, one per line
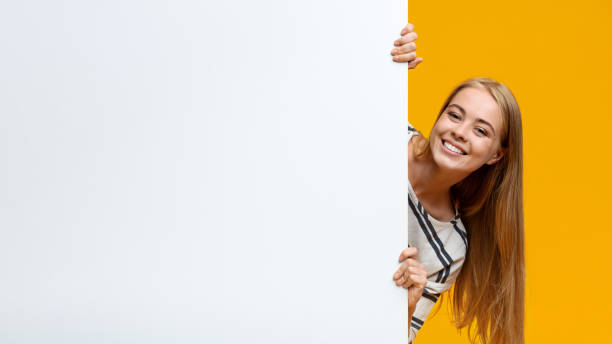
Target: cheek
442 124
487 150
438 129
481 149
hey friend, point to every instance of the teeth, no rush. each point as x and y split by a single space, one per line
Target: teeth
453 148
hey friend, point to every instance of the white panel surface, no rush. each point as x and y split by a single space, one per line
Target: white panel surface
202 171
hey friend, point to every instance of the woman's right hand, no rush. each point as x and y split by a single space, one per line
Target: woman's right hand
405 48
412 276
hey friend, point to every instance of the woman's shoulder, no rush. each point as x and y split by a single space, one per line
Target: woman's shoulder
412 132
412 129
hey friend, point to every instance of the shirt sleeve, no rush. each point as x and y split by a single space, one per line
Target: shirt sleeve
430 296
410 127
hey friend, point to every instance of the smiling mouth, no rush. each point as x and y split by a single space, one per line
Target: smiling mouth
452 148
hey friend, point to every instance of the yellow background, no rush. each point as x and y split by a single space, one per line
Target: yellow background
555 56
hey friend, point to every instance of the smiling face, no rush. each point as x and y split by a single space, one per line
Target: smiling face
468 133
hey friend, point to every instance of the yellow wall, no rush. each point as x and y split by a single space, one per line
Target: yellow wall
555 56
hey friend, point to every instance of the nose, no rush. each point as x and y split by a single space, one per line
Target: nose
459 133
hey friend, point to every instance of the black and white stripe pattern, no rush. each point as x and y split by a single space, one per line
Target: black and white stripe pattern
441 248
417 323
461 232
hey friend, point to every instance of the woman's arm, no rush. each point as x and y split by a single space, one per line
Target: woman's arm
412 276
411 332
405 47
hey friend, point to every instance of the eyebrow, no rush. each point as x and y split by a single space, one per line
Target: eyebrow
477 120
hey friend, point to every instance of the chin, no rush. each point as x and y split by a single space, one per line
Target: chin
444 164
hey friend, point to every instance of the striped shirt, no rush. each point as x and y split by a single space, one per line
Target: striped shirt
441 248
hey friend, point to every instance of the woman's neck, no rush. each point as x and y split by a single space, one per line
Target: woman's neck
432 184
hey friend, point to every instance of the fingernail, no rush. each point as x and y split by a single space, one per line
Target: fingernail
403 32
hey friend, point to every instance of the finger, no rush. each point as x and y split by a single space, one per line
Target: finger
412 64
407 38
408 252
423 281
409 282
418 284
400 271
405 57
404 49
408 28
411 271
415 278
411 265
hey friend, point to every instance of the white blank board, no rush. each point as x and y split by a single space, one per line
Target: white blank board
202 172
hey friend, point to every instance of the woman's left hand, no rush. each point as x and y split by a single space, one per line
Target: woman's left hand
405 47
411 275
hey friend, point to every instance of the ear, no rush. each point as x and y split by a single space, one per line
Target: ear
495 158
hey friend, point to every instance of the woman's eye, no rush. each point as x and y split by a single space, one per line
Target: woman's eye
453 115
482 132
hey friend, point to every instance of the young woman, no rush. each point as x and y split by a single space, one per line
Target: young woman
466 210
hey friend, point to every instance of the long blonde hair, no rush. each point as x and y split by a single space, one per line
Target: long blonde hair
489 292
